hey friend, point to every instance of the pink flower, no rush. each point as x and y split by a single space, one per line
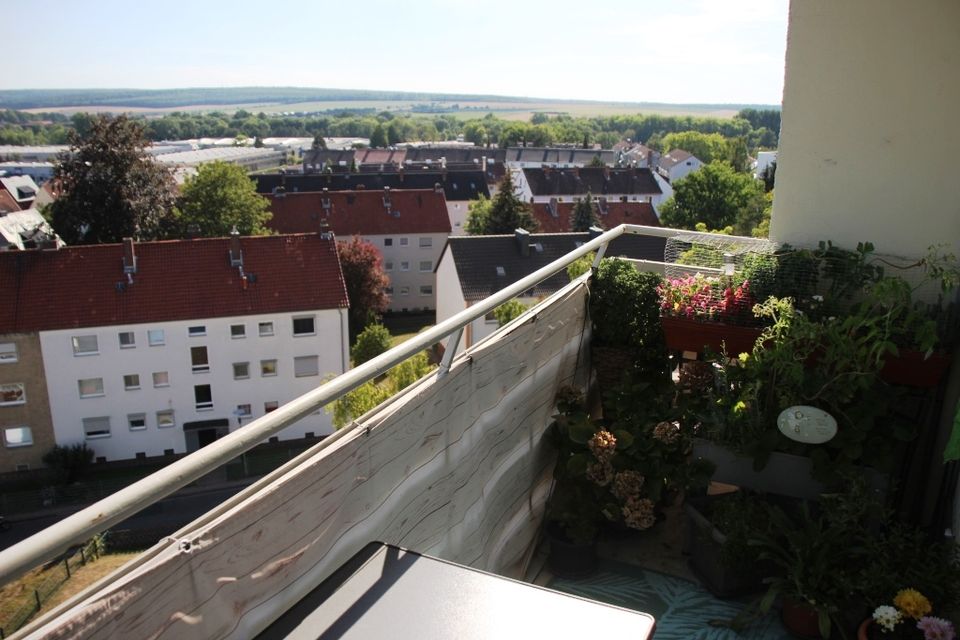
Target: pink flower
936 628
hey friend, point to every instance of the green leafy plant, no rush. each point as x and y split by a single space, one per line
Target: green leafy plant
68 462
372 341
508 311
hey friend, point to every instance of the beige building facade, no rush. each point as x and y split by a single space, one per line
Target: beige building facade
25 423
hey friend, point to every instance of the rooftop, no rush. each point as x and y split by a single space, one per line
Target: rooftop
598 180
554 217
457 185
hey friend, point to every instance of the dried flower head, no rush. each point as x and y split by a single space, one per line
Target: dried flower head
667 432
887 617
696 376
600 473
569 397
627 484
912 603
603 445
638 513
936 628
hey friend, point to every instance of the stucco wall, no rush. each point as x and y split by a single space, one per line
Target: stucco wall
869 127
34 413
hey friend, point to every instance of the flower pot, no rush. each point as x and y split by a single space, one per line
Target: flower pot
863 631
800 619
610 363
686 334
568 558
911 369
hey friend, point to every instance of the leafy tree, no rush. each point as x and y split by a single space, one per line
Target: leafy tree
475 132
110 189
478 216
354 404
717 196
362 267
507 212
769 176
580 266
508 311
319 142
737 154
583 215
706 146
597 161
378 139
68 462
371 342
221 197
393 134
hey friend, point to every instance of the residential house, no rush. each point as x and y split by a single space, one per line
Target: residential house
459 187
627 185
318 160
472 268
678 164
39 171
634 154
26 230
554 216
21 188
162 347
408 226
557 157
250 158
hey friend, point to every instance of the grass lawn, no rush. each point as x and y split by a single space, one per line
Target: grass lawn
87 575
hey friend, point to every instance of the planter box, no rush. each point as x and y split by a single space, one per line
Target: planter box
912 370
786 474
685 334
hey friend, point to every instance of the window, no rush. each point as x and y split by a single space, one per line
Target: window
96 427
238 331
131 381
270 405
241 370
266 328
404 266
203 397
137 421
243 410
426 242
161 379
156 337
404 291
198 359
198 330
268 368
388 242
426 289
388 265
128 339
17 437
165 418
85 345
403 242
12 393
90 387
8 352
426 265
388 291
304 326
305 366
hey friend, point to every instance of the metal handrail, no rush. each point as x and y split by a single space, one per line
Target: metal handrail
115 508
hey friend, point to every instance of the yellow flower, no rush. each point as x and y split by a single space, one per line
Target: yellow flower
744 357
912 603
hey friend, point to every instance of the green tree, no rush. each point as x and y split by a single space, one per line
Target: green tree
478 216
508 311
580 266
68 461
367 396
507 212
737 153
371 342
363 275
378 139
393 134
110 189
706 146
717 196
583 215
475 132
220 198
319 142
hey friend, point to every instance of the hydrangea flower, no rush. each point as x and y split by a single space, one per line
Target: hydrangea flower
602 445
887 617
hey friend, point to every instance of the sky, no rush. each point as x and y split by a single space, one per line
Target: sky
679 51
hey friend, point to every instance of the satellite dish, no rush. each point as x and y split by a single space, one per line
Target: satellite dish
807 424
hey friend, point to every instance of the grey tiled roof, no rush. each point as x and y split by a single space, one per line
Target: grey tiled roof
600 181
457 185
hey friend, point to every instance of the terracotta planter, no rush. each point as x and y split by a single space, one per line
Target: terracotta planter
685 334
912 370
863 631
800 619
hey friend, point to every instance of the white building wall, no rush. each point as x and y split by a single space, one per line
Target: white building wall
406 284
450 300
685 168
458 210
111 363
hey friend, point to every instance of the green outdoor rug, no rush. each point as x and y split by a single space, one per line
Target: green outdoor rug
683 610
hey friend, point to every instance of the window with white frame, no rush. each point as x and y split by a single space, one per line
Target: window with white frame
203 397
90 387
165 419
17 437
12 393
238 331
403 242
241 370
404 291
265 328
85 345
268 368
128 339
137 421
388 265
197 330
270 405
426 243
244 410
98 427
8 352
199 361
426 265
161 379
156 337
388 242
404 266
304 326
131 381
306 366
426 289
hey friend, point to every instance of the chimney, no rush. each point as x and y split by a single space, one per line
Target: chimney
386 199
129 257
552 208
437 187
236 255
483 164
523 241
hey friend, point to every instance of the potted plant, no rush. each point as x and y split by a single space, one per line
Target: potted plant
909 615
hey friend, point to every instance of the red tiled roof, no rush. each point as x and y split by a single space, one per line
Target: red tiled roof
617 213
362 213
8 203
81 286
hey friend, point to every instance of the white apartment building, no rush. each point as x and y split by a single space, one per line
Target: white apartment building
163 347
